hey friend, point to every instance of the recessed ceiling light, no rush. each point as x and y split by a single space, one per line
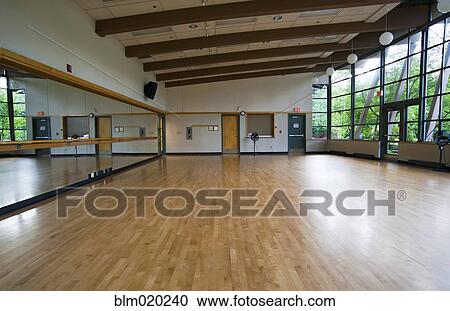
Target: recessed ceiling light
193 26
278 18
265 42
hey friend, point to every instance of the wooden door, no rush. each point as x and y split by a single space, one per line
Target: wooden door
104 130
230 133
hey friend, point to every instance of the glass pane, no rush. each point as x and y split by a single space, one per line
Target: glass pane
436 33
320 92
396 71
3 83
397 51
394 132
434 58
430 129
446 126
367 98
319 132
341 88
340 132
445 114
393 148
414 88
415 43
367 80
319 119
319 105
432 106
20 123
368 64
367 132
341 103
19 96
367 115
5 135
19 109
445 80
395 92
412 131
413 113
433 87
20 135
394 116
341 74
341 118
414 65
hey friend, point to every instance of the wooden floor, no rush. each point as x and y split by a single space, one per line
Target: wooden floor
22 178
410 251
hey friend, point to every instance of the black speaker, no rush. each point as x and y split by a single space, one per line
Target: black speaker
150 89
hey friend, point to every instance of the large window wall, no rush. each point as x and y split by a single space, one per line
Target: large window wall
13 121
409 80
5 133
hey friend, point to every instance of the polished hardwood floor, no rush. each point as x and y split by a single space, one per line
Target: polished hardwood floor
22 178
410 251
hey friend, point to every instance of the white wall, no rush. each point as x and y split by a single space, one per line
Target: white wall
132 124
279 94
59 32
203 141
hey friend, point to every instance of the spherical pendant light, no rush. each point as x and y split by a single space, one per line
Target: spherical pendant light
386 38
443 6
330 71
352 58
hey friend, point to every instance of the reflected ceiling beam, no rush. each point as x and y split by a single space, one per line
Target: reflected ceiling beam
340 57
250 75
361 42
400 18
222 12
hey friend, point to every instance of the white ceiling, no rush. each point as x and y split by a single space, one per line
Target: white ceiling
99 9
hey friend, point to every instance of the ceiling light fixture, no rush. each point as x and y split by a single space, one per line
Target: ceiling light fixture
278 18
386 37
193 26
443 6
352 58
330 70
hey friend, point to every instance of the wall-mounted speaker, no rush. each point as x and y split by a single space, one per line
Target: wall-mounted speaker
150 89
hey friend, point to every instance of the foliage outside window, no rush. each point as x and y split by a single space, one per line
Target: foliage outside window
341 99
19 126
319 111
367 98
5 133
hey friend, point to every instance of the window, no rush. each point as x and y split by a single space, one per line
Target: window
263 124
5 132
367 98
437 90
319 111
341 100
19 115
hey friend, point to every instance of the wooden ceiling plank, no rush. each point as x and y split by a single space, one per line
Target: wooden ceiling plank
336 58
250 75
222 12
399 19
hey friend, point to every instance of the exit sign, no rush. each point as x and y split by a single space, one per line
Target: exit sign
297 109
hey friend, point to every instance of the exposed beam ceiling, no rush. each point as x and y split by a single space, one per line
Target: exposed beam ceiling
361 42
399 19
336 58
222 12
280 72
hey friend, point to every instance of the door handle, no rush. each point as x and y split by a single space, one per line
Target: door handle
296 135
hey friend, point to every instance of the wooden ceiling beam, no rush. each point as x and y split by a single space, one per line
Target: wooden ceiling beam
361 42
250 75
222 12
336 58
400 18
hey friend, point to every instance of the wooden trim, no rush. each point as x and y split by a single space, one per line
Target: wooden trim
221 12
401 18
44 144
18 61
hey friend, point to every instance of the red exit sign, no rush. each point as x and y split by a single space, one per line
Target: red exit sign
297 109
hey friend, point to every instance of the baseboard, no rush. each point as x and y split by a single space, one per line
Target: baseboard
341 153
265 153
420 163
193 153
316 152
143 154
26 204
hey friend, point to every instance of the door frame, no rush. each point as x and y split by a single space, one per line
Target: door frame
238 127
96 132
401 107
303 115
